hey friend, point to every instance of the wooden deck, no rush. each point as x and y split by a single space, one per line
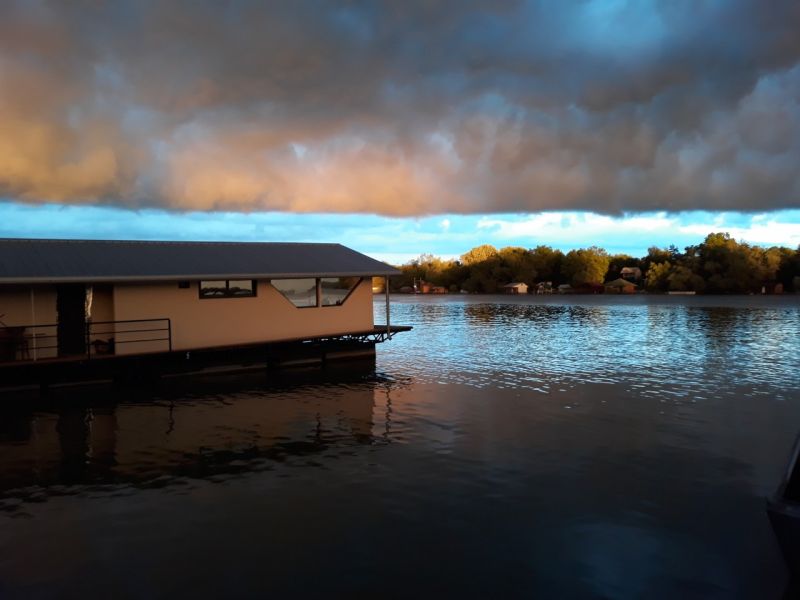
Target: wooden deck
133 367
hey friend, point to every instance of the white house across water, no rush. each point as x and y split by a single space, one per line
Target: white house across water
87 299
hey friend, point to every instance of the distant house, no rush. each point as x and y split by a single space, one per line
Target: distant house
631 274
426 287
544 287
79 298
565 288
516 288
620 286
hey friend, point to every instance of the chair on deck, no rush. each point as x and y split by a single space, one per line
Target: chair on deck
13 341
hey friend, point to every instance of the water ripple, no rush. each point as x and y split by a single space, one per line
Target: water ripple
664 348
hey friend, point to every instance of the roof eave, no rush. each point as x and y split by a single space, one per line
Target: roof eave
195 277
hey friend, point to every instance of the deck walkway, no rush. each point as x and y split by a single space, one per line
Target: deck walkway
272 354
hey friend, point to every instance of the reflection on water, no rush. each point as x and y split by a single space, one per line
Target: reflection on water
201 428
596 450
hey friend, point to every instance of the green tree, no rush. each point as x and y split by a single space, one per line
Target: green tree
547 263
681 279
729 266
656 279
657 255
478 254
518 263
719 264
617 262
789 270
585 266
427 268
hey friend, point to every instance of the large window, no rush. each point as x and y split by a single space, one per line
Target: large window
306 293
335 290
300 292
228 288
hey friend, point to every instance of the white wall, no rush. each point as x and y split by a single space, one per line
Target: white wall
205 323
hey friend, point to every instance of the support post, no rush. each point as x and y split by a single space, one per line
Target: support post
386 289
33 320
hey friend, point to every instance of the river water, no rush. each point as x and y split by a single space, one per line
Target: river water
586 447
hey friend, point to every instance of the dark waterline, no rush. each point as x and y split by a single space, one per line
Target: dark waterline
556 447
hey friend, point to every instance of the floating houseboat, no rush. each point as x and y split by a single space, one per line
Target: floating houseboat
76 308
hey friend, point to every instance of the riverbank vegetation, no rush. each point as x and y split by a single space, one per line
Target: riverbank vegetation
718 265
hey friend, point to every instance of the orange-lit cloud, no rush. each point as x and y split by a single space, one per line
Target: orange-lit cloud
414 108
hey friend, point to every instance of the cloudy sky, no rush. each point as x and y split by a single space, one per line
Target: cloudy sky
402 127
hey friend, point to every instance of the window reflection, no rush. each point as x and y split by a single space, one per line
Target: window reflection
213 289
243 287
234 288
300 292
335 290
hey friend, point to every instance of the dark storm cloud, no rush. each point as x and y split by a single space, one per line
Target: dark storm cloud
402 108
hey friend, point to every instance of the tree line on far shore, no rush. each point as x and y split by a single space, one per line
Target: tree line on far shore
718 265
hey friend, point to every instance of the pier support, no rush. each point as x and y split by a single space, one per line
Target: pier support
388 325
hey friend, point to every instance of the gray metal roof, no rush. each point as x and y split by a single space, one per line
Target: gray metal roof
43 261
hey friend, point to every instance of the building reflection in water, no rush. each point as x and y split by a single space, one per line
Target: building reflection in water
199 428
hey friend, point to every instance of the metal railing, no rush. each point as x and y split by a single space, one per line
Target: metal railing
130 331
22 343
28 342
